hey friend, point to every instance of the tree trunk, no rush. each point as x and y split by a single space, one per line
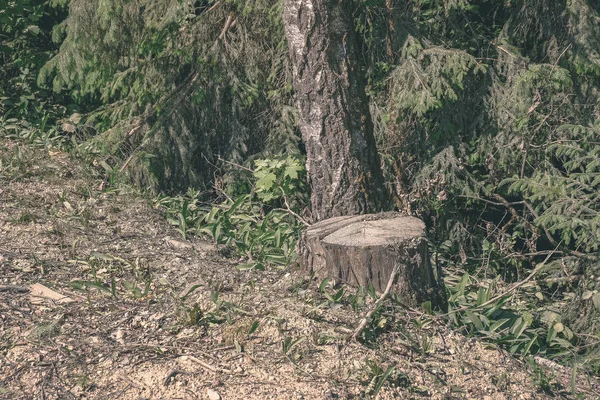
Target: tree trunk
364 250
342 162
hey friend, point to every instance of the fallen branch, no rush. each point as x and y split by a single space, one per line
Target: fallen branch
519 284
290 211
228 24
208 366
217 4
172 374
234 164
14 288
369 315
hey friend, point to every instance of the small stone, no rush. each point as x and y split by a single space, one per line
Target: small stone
212 395
119 336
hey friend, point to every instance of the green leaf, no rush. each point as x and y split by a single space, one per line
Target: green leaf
236 204
339 295
474 319
497 306
207 229
276 259
106 167
426 306
210 217
259 164
217 232
265 182
498 324
564 344
483 295
550 335
254 327
382 380
528 345
460 288
518 327
79 285
292 168
96 285
250 266
190 291
278 238
323 284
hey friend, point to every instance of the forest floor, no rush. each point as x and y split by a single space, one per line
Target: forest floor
100 298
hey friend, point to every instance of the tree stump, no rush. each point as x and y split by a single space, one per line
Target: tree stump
364 249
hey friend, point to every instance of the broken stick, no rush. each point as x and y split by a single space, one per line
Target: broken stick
369 315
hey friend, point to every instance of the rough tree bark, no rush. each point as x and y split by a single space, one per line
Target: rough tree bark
342 162
363 250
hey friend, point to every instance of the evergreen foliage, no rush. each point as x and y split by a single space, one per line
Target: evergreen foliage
488 132
25 45
187 82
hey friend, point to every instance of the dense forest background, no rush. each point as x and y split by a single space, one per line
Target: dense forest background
486 114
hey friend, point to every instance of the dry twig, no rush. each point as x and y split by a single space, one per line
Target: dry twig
209 367
369 315
14 288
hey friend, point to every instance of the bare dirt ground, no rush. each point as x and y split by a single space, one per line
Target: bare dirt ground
101 299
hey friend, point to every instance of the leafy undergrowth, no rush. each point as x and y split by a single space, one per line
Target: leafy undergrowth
124 308
261 224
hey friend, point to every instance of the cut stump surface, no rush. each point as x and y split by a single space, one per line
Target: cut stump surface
364 249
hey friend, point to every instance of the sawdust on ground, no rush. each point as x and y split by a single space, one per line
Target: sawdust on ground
125 309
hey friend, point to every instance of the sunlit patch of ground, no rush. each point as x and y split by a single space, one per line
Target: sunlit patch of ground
125 309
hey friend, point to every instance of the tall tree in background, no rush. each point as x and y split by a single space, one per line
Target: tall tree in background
342 161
